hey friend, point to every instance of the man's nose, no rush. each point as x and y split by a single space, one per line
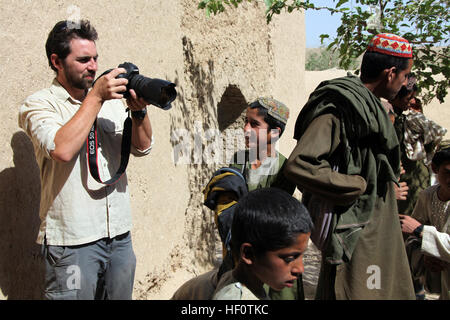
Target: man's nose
92 65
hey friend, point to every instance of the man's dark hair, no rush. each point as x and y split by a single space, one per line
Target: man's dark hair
63 32
373 64
269 219
271 121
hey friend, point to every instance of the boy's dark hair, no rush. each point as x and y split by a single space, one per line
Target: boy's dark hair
442 155
373 63
269 219
63 32
271 121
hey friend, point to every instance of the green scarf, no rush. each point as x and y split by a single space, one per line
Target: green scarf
369 148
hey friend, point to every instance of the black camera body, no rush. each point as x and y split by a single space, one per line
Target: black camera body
157 92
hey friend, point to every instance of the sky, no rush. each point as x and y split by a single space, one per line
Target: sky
318 22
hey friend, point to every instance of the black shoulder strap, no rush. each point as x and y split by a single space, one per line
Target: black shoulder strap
92 152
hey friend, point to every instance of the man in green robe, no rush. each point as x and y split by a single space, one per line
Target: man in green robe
346 162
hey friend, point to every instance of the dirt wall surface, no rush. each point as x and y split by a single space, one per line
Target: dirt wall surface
219 65
230 60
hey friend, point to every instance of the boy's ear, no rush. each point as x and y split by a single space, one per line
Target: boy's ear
247 254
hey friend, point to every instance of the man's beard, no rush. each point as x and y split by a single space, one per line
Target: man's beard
391 95
82 83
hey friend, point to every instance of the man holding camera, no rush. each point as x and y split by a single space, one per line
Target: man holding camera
85 225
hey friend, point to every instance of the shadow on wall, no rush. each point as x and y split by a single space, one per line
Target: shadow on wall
21 267
231 117
196 114
230 109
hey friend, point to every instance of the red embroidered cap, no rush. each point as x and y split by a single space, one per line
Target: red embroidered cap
390 44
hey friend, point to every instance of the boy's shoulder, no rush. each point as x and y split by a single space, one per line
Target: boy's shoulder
229 288
199 288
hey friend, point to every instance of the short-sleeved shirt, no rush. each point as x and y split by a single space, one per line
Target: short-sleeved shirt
74 208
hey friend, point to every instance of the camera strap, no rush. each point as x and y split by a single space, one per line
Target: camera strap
92 152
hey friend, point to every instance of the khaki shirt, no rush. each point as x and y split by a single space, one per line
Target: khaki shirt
74 208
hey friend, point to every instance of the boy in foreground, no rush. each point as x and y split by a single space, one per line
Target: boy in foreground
269 235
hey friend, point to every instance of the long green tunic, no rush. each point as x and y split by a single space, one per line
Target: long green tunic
364 255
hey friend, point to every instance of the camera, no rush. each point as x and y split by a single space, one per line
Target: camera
157 92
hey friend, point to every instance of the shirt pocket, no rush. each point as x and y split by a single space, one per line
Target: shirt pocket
55 254
109 135
109 126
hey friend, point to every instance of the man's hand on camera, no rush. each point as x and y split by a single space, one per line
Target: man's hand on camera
135 103
108 87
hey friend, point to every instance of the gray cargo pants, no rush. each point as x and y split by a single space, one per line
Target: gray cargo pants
103 269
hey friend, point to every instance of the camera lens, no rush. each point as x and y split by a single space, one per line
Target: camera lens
155 91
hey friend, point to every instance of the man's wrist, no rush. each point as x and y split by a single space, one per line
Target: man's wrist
418 231
139 114
94 98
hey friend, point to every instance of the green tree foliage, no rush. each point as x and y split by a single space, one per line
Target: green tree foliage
318 59
425 23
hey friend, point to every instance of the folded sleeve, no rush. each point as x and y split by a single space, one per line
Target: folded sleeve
39 119
140 153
